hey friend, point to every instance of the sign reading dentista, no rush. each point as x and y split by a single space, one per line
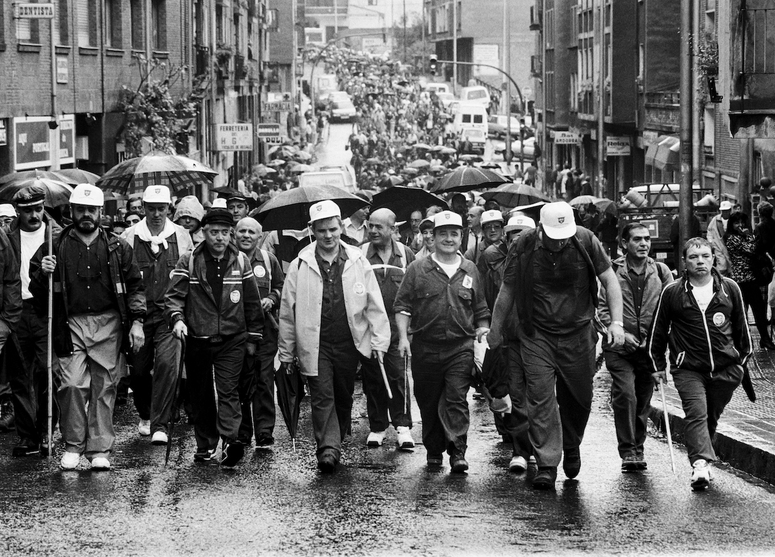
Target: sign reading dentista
33 11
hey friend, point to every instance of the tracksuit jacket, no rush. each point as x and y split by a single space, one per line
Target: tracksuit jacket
702 343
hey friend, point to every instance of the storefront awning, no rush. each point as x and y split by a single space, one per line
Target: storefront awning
668 155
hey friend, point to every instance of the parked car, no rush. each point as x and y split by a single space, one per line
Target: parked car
446 98
496 126
475 94
342 111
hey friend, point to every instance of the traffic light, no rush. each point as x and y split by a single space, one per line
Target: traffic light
433 64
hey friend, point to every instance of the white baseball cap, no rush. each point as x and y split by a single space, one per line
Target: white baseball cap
519 222
7 210
557 220
157 194
86 194
447 218
219 203
725 206
324 210
491 216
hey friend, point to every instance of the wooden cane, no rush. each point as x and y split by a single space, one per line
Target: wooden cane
667 425
49 346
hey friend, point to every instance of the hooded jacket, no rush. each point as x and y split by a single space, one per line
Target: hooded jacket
303 298
703 343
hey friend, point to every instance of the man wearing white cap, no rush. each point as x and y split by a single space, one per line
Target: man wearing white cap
7 214
491 223
507 383
717 227
157 243
98 296
441 304
331 314
551 274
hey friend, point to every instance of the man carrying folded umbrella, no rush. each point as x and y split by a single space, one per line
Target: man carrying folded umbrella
331 314
157 244
389 259
30 383
213 300
98 299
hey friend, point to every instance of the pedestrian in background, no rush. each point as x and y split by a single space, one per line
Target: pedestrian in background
441 304
331 314
98 300
213 300
641 280
702 318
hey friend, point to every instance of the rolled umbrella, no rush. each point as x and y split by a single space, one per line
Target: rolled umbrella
667 425
179 173
57 193
514 195
467 178
175 398
290 391
384 375
290 209
404 200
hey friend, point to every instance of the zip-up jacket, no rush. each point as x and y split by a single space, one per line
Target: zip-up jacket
303 299
269 279
10 284
637 321
703 343
190 298
125 280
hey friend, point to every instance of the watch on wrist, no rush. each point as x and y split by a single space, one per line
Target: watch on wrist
620 323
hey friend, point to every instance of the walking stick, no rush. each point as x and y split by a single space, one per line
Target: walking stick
407 371
667 425
49 347
175 408
384 375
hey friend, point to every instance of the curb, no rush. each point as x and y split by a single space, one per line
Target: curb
732 444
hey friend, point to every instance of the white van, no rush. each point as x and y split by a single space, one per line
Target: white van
437 87
338 178
475 94
471 122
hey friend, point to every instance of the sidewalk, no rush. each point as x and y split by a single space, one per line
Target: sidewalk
745 437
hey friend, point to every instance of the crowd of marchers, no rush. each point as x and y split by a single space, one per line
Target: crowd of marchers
209 301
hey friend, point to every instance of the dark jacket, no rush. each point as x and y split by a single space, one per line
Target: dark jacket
125 280
190 298
269 279
703 343
10 284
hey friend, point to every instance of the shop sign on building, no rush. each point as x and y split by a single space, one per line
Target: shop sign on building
234 137
566 138
617 146
32 141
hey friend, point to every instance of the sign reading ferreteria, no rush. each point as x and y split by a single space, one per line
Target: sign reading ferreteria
617 146
33 11
233 137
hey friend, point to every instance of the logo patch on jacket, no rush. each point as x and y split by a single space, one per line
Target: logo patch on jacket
468 282
259 271
718 319
234 296
359 288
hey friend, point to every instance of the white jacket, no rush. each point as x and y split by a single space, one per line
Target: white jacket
302 300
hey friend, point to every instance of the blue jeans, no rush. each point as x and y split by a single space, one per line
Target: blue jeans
442 378
704 397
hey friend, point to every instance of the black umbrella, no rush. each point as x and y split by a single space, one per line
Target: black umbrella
290 209
467 178
513 195
404 200
748 385
290 391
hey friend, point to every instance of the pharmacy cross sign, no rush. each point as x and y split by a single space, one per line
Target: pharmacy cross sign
33 11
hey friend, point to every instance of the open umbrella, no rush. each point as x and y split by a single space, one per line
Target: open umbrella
467 178
57 193
290 391
422 146
276 162
374 160
603 205
262 170
75 176
26 177
404 200
437 148
303 156
290 209
448 151
390 181
513 195
299 168
419 164
177 172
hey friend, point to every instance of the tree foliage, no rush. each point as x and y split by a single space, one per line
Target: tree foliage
414 42
151 112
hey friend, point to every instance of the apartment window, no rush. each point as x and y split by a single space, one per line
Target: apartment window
27 31
159 25
112 11
86 21
219 24
137 16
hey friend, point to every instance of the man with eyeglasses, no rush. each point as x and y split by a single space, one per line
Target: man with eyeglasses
98 296
641 280
157 243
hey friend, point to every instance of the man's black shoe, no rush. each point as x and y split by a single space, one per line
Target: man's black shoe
571 462
204 455
26 448
327 463
545 478
264 441
458 464
232 453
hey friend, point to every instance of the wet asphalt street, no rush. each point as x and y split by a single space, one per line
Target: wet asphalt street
380 501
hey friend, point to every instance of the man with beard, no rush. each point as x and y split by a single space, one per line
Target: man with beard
30 380
389 260
157 244
213 300
257 381
98 293
331 314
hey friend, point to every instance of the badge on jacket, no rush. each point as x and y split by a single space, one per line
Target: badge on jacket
468 282
718 319
234 296
359 288
259 271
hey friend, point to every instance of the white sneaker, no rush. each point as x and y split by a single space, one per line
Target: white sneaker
404 441
532 461
700 475
376 438
100 464
69 461
144 427
159 438
518 464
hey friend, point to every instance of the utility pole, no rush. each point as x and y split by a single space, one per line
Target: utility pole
336 19
601 103
506 61
685 198
404 31
454 45
544 96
